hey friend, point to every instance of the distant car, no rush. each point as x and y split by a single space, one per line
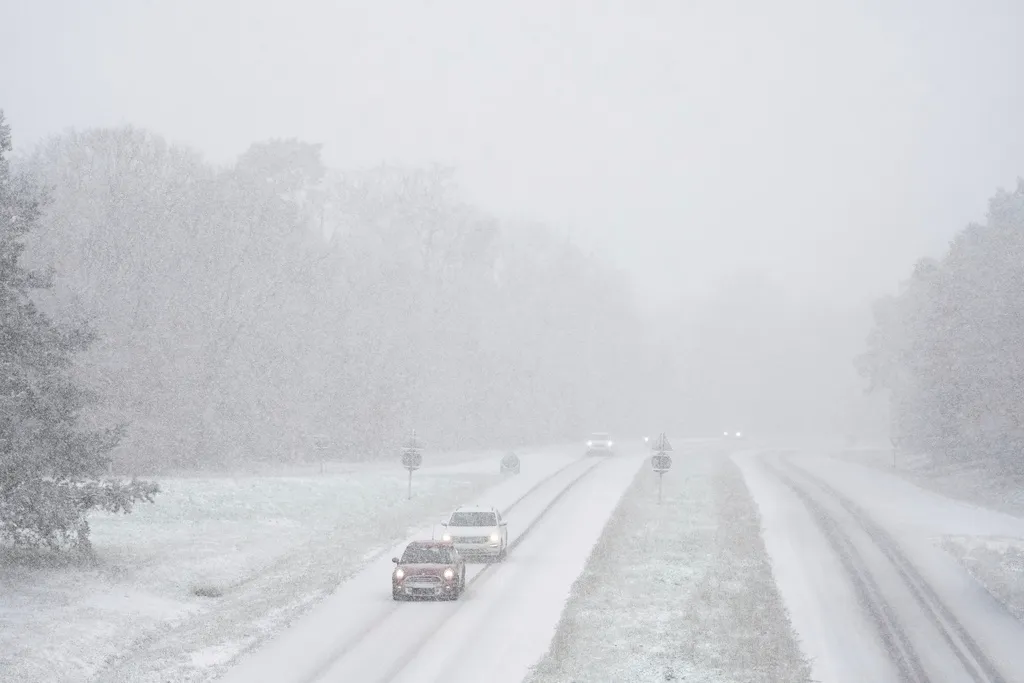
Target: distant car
510 463
734 435
599 443
428 569
478 533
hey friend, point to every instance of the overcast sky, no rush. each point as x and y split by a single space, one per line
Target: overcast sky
830 143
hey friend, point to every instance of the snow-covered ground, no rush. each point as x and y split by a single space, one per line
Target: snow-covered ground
993 555
268 547
997 563
918 595
681 591
973 483
506 616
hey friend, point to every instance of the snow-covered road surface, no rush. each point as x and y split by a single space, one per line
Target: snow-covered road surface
870 593
360 633
510 616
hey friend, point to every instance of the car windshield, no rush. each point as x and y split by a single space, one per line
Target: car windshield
425 554
473 519
599 437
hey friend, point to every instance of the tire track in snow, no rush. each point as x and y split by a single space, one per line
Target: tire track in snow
412 652
895 639
353 643
976 664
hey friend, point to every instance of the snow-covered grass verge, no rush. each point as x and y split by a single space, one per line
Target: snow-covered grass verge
995 563
180 588
975 483
681 591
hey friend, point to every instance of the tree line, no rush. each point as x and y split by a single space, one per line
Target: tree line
166 313
948 348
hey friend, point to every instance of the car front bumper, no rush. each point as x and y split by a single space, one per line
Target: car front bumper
423 589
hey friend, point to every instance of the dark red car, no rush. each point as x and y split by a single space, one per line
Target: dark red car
429 569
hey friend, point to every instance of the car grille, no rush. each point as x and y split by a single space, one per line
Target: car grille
470 539
423 581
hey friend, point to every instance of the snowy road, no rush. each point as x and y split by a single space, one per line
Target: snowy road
501 625
870 594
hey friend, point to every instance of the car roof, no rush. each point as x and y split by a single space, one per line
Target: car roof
475 508
599 433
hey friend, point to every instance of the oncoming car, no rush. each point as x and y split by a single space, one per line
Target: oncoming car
599 443
428 569
478 533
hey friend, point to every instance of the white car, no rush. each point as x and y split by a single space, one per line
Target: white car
478 533
599 443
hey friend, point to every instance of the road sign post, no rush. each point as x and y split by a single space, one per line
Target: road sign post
321 442
661 461
662 444
412 459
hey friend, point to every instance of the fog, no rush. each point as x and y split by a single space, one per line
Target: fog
683 211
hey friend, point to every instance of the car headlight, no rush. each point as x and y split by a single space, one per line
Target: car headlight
589 444
399 574
449 574
610 444
495 537
446 537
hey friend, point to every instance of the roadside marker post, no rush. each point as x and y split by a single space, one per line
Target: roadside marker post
412 459
321 443
661 461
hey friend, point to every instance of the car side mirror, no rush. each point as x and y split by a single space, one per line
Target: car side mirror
395 560
503 523
444 523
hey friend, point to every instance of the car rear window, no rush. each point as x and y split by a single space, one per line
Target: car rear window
420 554
473 519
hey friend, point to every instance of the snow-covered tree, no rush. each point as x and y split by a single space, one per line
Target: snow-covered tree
950 346
51 464
243 309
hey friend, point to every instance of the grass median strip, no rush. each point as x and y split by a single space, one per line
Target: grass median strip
681 591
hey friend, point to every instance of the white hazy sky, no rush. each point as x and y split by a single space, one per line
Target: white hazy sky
830 143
